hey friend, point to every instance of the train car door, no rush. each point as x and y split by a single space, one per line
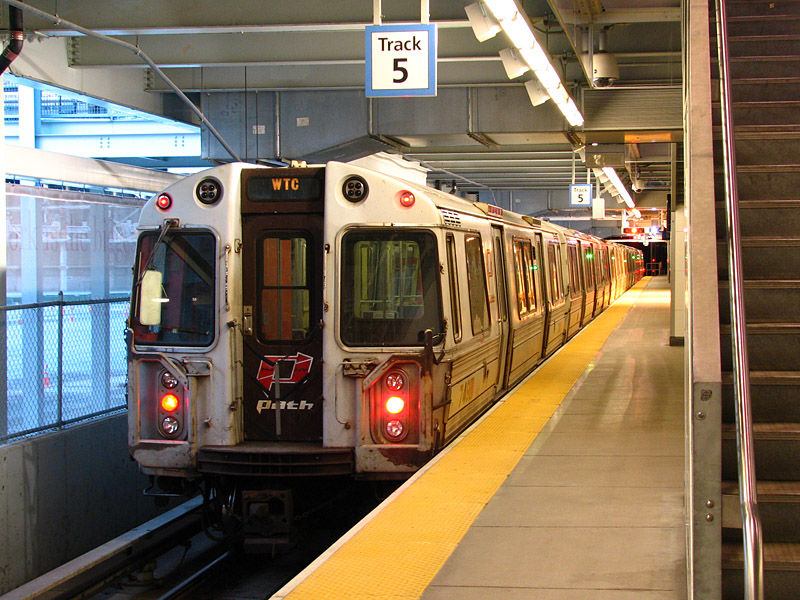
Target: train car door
501 290
576 293
588 282
556 299
282 225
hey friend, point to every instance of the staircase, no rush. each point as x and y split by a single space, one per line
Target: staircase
764 45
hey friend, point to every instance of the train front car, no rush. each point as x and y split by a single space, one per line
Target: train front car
181 392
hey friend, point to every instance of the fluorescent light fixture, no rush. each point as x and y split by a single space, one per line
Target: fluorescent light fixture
484 25
617 183
513 63
536 92
519 32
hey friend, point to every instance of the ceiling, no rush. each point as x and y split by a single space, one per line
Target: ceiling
311 46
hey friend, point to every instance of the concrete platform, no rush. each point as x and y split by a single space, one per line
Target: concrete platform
572 488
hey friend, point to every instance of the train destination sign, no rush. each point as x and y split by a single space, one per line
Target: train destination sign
401 60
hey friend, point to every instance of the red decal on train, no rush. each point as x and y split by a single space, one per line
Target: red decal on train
301 365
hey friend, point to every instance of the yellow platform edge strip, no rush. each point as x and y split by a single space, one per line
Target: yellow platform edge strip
396 553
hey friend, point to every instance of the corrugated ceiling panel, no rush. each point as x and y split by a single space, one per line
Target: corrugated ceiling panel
657 108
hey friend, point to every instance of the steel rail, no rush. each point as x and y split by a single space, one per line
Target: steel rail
751 523
138 52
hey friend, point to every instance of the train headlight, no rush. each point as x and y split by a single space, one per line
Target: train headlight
395 381
355 189
168 380
406 199
169 403
170 425
209 191
395 429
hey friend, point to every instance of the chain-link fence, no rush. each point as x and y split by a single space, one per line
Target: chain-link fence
64 362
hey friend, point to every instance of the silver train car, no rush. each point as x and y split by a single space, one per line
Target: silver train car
290 325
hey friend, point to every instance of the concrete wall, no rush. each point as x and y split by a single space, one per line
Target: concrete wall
64 493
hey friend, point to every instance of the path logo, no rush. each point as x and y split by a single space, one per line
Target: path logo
300 366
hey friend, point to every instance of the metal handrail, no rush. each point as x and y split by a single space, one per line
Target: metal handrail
751 523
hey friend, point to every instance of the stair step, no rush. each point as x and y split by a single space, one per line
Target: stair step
751 8
777 451
769 346
773 112
773 396
763 45
762 25
768 301
778 507
757 68
764 258
761 182
781 571
770 150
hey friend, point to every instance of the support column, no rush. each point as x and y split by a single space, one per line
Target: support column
677 260
101 376
3 266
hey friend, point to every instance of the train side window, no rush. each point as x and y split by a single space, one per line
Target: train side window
598 271
455 295
520 278
530 269
554 271
476 284
285 289
574 275
499 268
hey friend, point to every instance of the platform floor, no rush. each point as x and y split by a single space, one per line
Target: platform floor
571 488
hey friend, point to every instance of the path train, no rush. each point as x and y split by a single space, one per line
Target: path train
298 324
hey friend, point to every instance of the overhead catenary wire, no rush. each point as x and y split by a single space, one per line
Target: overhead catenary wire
138 52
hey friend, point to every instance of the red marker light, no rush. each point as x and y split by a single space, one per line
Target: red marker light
406 199
164 201
395 405
169 402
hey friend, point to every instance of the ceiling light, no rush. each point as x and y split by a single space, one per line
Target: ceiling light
516 27
617 183
536 92
513 63
484 25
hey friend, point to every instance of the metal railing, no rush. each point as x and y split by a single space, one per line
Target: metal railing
753 541
65 362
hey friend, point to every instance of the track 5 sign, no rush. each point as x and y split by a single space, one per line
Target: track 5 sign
400 60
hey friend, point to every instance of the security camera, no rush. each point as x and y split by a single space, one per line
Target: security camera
604 69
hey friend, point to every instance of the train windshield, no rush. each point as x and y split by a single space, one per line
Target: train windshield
390 288
173 301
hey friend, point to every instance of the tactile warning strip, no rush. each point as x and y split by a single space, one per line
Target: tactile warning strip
396 554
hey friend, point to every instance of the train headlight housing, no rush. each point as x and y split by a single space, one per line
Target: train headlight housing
169 403
168 380
394 404
395 430
355 189
164 202
170 425
209 191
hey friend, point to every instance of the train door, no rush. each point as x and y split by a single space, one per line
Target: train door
600 296
282 296
556 300
588 281
576 293
501 290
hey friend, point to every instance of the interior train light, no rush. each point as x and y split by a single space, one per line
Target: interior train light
169 403
406 199
164 202
395 405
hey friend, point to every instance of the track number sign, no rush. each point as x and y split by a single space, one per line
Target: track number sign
400 60
580 194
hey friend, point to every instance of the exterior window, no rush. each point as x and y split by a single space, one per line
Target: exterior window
390 291
588 271
598 266
174 290
476 284
555 278
284 289
499 268
455 295
524 268
574 275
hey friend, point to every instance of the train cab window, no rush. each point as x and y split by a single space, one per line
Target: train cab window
476 284
174 292
390 288
284 288
455 295
554 270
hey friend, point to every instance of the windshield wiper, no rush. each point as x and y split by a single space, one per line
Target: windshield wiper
162 233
